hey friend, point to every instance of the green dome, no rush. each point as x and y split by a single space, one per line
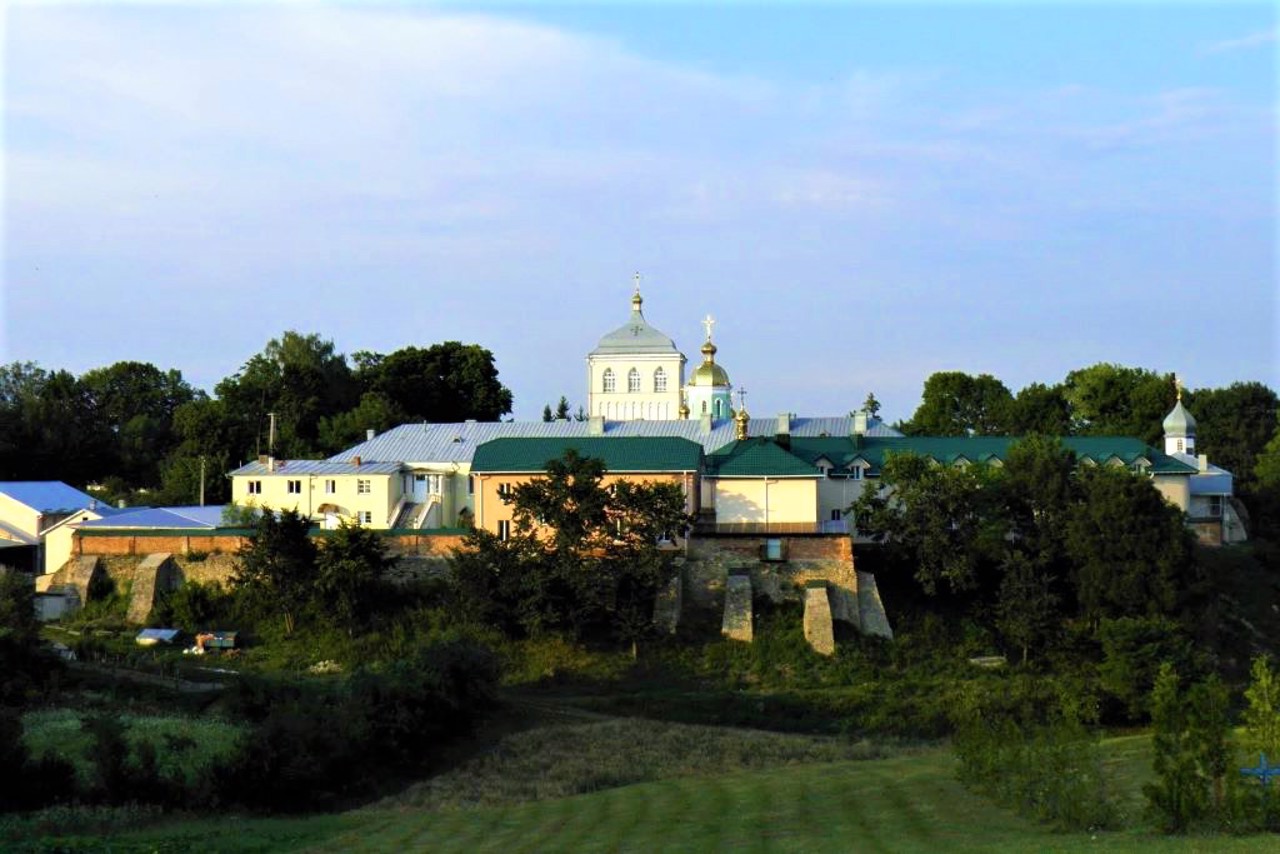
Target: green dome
637 336
709 373
1179 422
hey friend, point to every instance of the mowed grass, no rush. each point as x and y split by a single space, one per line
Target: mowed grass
901 803
573 759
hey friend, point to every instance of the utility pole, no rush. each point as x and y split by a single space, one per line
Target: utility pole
202 480
271 435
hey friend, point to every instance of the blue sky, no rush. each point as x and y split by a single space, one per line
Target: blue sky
862 194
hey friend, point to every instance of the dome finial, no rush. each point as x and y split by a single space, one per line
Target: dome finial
741 420
636 299
1177 383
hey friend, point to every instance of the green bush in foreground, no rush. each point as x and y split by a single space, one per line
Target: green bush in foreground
1026 746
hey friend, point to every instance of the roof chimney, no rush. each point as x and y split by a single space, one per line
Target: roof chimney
357 462
783 431
704 422
595 425
860 422
1202 461
93 504
369 434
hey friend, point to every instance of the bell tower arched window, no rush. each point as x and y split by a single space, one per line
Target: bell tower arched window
610 384
659 380
633 380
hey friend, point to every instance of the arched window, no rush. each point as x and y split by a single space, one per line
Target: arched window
704 407
659 380
719 408
633 380
610 384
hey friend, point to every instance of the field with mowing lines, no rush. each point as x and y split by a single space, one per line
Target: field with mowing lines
902 803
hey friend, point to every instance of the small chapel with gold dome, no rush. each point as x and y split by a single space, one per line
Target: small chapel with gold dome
636 372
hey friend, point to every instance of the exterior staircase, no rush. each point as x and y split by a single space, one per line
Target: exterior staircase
406 517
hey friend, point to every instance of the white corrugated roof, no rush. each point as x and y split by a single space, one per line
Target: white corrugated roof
335 465
456 443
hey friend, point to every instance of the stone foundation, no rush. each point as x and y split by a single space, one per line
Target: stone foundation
738 615
154 576
819 629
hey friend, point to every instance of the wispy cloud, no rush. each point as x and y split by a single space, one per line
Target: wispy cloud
1262 38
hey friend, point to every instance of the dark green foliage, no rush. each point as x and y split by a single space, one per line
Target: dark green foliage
301 379
442 383
1130 550
277 566
1040 409
350 577
1191 752
942 521
28 782
137 401
1026 746
311 748
110 752
956 404
1233 425
582 559
1133 651
344 429
193 607
1261 717
22 667
1113 400
1027 612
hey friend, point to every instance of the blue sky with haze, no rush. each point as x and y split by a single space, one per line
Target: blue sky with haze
861 194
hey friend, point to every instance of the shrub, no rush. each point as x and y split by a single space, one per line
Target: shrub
1025 745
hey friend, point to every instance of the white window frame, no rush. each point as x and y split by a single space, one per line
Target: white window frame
330 487
609 383
659 381
633 381
255 487
363 486
504 529
293 487
365 517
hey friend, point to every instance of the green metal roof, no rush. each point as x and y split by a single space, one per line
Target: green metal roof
984 449
759 457
620 454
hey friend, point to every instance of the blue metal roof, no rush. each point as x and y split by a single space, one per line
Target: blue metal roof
160 517
52 496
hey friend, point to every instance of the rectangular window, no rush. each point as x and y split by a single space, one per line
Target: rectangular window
837 515
365 517
504 489
363 487
255 487
856 474
504 529
772 550
294 487
330 487
1215 505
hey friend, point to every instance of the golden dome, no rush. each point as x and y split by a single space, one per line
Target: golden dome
709 373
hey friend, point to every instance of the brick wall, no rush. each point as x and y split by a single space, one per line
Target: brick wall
134 543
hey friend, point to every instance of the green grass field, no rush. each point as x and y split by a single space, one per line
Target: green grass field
909 801
58 732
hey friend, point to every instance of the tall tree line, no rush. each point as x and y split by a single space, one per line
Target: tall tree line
132 426
1234 424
